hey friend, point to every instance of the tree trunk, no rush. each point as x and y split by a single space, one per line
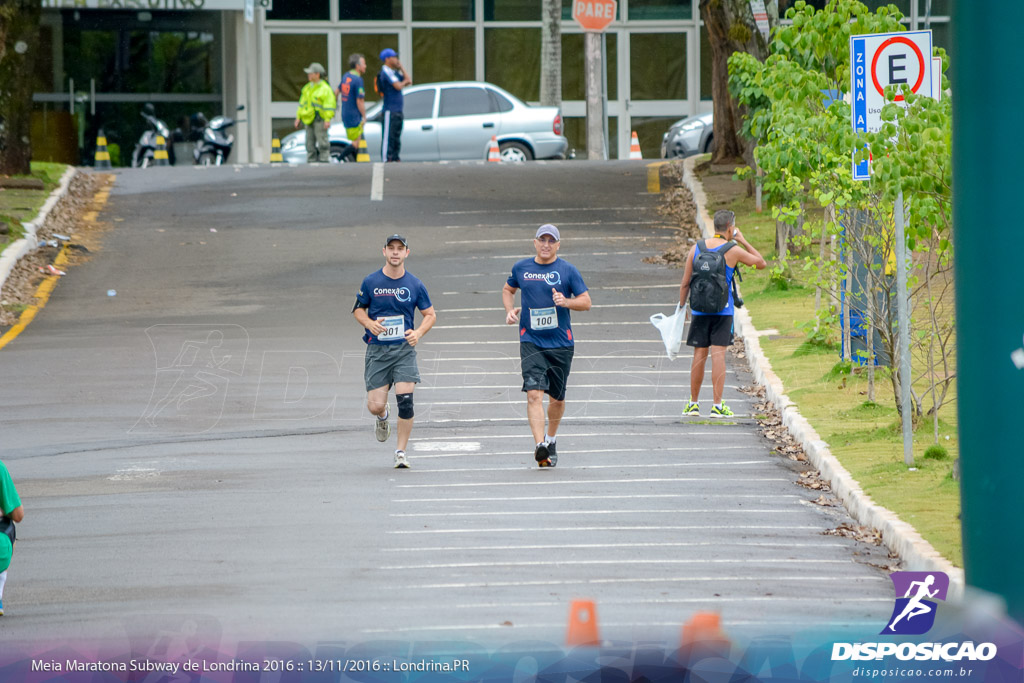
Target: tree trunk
551 54
19 36
731 28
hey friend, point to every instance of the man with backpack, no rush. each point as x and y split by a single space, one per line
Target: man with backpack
708 285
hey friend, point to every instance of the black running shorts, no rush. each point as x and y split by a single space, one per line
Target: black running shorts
710 330
545 369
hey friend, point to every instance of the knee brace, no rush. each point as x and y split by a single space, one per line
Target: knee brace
405 410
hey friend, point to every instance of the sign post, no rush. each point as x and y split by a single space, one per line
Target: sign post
594 16
877 61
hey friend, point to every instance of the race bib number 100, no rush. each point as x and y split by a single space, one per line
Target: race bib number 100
394 328
543 318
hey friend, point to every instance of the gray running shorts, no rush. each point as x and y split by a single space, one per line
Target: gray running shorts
388 364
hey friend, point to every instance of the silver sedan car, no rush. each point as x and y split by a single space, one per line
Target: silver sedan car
689 136
448 121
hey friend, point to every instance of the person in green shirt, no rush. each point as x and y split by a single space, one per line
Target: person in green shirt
316 109
11 510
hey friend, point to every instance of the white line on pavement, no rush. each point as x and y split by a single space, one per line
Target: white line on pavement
538 529
602 546
502 310
608 288
519 401
671 449
567 419
629 561
633 238
590 482
596 496
516 257
562 208
514 357
582 435
638 579
510 513
597 467
377 185
517 387
434 342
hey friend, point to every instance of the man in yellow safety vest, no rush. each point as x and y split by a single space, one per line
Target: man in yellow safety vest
316 109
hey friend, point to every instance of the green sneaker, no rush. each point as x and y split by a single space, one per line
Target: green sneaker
723 411
691 409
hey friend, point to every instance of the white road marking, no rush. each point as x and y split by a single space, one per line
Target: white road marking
460 446
502 310
434 342
562 208
519 401
595 496
589 482
567 419
582 435
710 601
511 513
520 240
505 326
598 467
512 357
547 529
574 373
517 257
602 546
660 579
377 185
627 561
671 449
608 288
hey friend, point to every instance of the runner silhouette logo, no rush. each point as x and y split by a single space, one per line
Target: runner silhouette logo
914 611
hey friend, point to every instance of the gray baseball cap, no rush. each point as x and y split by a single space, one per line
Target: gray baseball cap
547 229
316 67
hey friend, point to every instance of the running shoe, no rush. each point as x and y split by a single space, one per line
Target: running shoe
692 409
552 456
723 411
383 428
401 462
540 454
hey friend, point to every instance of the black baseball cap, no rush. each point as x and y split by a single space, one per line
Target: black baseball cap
401 239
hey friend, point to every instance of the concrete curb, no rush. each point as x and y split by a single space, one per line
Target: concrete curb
901 538
14 251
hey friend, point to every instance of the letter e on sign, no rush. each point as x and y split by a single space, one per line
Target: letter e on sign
594 15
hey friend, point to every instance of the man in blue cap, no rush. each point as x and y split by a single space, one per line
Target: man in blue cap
390 82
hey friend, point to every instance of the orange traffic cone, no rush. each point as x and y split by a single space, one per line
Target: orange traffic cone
275 151
160 155
634 148
102 159
494 154
582 624
704 627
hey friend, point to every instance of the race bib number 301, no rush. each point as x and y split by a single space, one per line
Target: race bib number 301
394 328
543 318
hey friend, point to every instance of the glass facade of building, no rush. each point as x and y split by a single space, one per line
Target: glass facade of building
657 58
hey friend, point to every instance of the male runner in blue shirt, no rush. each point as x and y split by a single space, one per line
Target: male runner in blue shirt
551 287
386 306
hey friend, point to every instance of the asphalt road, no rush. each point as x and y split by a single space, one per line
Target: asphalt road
194 453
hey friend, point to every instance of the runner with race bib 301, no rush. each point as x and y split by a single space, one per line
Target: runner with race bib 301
386 306
551 287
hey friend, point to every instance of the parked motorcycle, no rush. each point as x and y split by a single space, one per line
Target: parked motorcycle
212 141
142 157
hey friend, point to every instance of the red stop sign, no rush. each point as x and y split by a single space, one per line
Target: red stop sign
593 15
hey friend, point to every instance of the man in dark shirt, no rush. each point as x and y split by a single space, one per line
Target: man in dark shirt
351 96
390 82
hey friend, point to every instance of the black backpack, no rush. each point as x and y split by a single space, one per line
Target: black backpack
709 286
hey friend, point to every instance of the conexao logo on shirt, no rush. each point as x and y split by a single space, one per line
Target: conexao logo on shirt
914 613
401 293
552 278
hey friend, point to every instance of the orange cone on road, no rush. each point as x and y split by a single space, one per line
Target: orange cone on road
634 148
582 624
275 151
704 627
494 154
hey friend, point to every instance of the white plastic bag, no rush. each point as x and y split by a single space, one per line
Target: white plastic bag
671 328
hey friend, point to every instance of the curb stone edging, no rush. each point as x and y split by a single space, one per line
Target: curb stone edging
901 538
15 250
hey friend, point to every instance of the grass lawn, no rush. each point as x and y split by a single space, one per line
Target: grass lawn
24 205
866 437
